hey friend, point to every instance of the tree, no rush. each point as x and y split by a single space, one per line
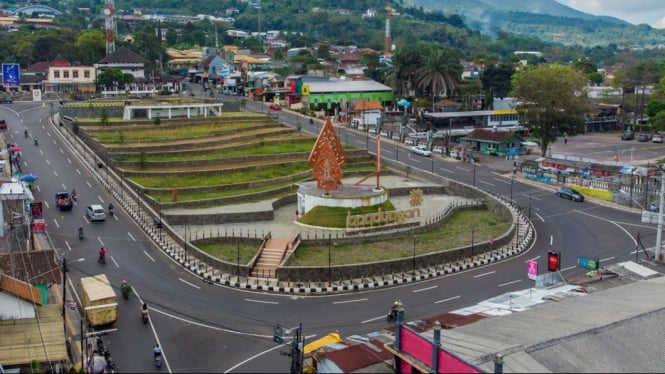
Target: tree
552 101
91 46
440 74
496 80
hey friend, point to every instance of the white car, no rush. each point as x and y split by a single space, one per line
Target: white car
421 150
95 212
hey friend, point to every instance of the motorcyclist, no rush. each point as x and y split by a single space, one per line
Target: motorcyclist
144 311
157 351
110 208
25 132
125 288
102 255
394 308
81 230
74 194
36 139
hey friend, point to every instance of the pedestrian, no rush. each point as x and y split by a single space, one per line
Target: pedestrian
297 214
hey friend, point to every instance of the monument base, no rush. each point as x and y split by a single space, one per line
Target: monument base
310 196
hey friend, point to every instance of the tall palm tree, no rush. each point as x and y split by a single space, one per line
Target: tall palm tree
400 76
440 72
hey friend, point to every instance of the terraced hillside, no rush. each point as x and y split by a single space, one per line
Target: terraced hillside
206 163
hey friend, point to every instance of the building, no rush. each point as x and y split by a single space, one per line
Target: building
70 80
493 142
126 61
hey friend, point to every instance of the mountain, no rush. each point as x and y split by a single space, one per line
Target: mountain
545 20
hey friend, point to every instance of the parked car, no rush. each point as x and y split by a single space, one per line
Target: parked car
95 212
3 124
570 194
627 136
657 138
643 138
274 106
6 100
421 150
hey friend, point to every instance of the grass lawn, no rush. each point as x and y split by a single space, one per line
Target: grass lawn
454 233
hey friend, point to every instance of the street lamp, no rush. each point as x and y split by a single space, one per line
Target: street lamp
413 264
474 172
512 180
473 233
238 261
529 207
329 261
660 214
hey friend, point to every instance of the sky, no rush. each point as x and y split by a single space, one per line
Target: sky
651 12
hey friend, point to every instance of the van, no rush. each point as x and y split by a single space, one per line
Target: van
657 138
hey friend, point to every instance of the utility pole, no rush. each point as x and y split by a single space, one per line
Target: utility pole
659 231
297 346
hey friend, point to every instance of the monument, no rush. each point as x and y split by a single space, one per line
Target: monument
326 159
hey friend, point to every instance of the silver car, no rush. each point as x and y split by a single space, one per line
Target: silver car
95 212
421 150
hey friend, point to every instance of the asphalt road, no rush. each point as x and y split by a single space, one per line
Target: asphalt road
207 328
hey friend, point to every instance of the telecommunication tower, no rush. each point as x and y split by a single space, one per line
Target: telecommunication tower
386 39
109 26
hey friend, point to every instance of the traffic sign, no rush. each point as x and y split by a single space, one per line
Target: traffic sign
588 263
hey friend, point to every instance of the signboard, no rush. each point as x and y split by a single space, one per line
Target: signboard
36 210
39 226
532 269
649 217
37 95
10 74
588 263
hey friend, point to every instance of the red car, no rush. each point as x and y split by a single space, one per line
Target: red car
274 106
3 124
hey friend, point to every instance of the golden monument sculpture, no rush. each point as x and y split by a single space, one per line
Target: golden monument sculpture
327 158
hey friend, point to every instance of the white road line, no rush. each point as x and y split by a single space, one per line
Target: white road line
484 274
415 160
536 198
68 247
448 299
100 199
261 301
88 183
533 259
508 283
446 170
373 319
606 259
61 151
541 218
46 203
349 301
130 235
69 160
424 289
551 239
56 222
54 173
463 169
568 268
487 183
193 285
502 180
63 186
115 262
79 171
146 253
39 189
100 241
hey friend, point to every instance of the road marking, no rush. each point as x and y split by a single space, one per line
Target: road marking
79 171
69 160
88 183
46 203
535 198
508 283
39 189
54 173
261 301
48 162
279 346
463 169
533 259
115 262
349 301
551 240
146 253
502 180
569 268
68 247
488 183
63 186
446 170
424 289
130 235
538 215
606 259
100 199
61 151
100 240
484 274
373 319
415 160
448 299
56 222
193 285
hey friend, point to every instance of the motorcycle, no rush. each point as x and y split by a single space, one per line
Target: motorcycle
158 361
36 141
73 195
111 210
81 233
392 316
144 316
126 289
25 132
102 260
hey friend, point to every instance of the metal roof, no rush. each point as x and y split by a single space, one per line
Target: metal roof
347 86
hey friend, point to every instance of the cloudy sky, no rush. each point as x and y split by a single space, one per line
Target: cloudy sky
651 12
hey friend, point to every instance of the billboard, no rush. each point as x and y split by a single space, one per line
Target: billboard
10 74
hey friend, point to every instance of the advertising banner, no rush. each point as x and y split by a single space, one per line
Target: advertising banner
11 74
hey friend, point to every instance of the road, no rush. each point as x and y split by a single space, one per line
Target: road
207 328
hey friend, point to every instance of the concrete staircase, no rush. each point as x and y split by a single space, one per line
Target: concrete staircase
270 258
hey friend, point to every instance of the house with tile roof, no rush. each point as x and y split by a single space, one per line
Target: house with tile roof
126 60
495 142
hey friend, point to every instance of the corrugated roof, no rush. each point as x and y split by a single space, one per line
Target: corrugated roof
347 86
489 135
20 289
42 266
358 356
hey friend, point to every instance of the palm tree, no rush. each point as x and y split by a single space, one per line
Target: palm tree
400 75
440 73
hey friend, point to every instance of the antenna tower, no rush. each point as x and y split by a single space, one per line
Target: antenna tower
386 39
109 26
